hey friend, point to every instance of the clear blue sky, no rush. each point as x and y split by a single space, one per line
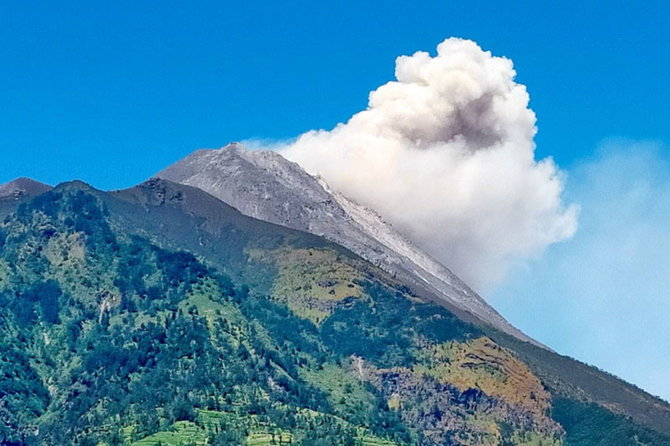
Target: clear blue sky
111 92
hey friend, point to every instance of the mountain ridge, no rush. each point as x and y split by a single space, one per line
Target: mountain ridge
21 187
264 185
99 271
77 271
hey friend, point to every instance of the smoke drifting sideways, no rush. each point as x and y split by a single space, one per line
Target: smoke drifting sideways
445 153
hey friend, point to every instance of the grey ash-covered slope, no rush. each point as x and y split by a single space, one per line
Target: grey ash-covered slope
266 186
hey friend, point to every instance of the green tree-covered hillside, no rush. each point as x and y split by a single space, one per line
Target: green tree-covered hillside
159 315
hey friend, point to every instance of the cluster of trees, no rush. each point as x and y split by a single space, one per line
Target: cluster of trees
382 330
40 299
122 349
589 424
149 362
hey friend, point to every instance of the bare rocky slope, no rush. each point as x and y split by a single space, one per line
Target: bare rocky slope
22 187
266 186
13 192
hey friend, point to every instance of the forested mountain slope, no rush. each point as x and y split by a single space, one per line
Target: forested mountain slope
161 315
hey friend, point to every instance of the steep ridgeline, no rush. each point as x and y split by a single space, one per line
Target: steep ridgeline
12 193
266 186
22 187
161 315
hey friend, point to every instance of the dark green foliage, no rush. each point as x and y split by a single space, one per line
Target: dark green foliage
385 421
139 336
324 431
22 394
563 376
358 330
180 267
587 424
48 203
291 332
49 294
382 330
43 295
506 432
441 325
143 351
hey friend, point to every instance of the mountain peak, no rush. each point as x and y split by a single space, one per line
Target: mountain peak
236 147
75 184
22 187
266 186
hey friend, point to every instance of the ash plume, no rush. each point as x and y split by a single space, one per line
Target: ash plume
446 154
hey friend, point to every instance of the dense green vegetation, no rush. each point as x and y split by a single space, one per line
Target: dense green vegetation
588 424
382 332
122 343
567 378
110 337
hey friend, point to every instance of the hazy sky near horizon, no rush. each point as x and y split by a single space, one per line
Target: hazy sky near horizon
112 93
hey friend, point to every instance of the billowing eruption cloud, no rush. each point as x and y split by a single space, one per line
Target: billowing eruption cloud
446 154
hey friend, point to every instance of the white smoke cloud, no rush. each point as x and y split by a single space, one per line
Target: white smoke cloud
446 154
